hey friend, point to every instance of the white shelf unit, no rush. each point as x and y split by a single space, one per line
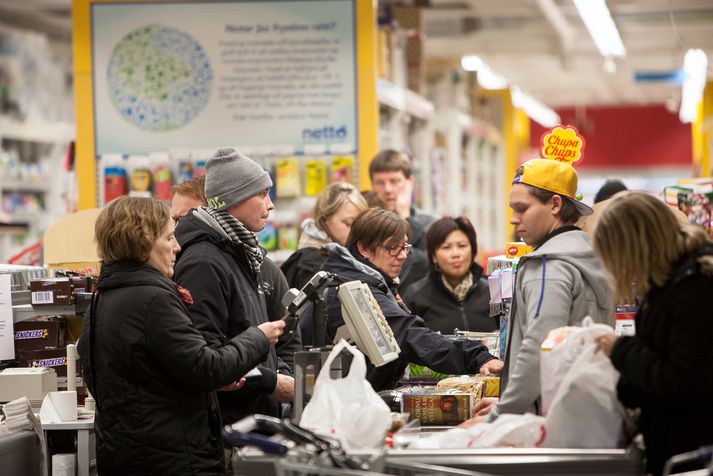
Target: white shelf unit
473 174
47 186
407 126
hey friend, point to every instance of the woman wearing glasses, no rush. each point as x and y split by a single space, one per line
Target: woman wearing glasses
375 251
454 295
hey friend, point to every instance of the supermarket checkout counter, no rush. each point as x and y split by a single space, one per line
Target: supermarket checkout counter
501 461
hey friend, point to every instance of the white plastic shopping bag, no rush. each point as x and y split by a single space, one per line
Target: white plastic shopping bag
508 431
585 411
347 408
560 349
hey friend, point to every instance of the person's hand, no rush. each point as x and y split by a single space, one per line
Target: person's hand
472 422
233 386
605 342
285 389
272 330
482 408
491 367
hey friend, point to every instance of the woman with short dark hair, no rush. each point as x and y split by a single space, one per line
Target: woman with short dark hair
376 249
454 295
150 371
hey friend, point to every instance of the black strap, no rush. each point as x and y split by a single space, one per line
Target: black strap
92 328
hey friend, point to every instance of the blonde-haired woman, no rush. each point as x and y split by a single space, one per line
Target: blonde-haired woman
336 208
667 367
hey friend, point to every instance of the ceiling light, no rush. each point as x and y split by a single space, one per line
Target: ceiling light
695 66
534 109
487 78
600 24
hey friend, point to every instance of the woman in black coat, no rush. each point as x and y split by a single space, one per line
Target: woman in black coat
454 295
150 371
667 367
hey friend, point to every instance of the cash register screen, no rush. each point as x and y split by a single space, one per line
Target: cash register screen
367 313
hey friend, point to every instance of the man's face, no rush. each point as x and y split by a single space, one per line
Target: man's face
180 204
254 211
533 219
388 185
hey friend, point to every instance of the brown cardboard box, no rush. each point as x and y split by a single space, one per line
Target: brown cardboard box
55 358
51 292
438 408
39 335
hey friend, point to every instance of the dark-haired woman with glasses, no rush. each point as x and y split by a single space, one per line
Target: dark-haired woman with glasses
376 249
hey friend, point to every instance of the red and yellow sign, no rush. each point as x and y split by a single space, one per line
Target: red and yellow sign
562 143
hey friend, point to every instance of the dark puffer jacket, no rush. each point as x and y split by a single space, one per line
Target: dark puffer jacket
667 368
442 312
152 375
228 300
418 343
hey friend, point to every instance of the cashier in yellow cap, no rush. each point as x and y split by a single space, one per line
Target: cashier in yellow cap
557 284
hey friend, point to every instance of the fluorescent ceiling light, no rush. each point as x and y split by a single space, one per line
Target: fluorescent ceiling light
534 109
695 66
600 24
487 78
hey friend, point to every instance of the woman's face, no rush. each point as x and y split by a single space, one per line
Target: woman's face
339 224
164 250
454 256
388 258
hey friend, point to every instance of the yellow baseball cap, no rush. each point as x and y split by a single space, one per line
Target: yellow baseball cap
553 176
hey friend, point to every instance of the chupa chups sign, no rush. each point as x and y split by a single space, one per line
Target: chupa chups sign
562 143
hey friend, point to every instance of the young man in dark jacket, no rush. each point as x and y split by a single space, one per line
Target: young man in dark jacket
191 194
220 264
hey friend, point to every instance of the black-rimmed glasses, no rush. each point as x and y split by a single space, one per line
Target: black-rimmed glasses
395 250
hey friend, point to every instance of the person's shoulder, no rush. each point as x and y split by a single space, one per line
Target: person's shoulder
421 217
419 290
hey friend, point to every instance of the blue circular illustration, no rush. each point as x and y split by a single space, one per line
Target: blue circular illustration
159 78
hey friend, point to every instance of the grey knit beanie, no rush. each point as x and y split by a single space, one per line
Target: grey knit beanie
231 177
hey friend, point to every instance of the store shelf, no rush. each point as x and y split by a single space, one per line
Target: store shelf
37 186
24 312
36 131
26 216
403 100
478 128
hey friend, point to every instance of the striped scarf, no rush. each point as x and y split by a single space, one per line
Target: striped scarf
237 233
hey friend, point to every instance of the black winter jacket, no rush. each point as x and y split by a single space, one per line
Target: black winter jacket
418 343
275 286
302 265
667 368
441 311
228 300
152 375
416 265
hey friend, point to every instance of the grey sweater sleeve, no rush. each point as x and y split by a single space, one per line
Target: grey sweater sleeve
523 388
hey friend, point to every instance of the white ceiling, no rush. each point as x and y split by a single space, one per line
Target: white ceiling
560 65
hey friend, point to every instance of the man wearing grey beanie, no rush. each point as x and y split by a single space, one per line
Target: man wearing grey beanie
219 264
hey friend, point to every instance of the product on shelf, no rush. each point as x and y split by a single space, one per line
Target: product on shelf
287 172
343 169
268 237
315 177
114 183
287 235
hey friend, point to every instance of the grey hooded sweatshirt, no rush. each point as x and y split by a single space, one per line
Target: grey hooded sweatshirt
558 284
